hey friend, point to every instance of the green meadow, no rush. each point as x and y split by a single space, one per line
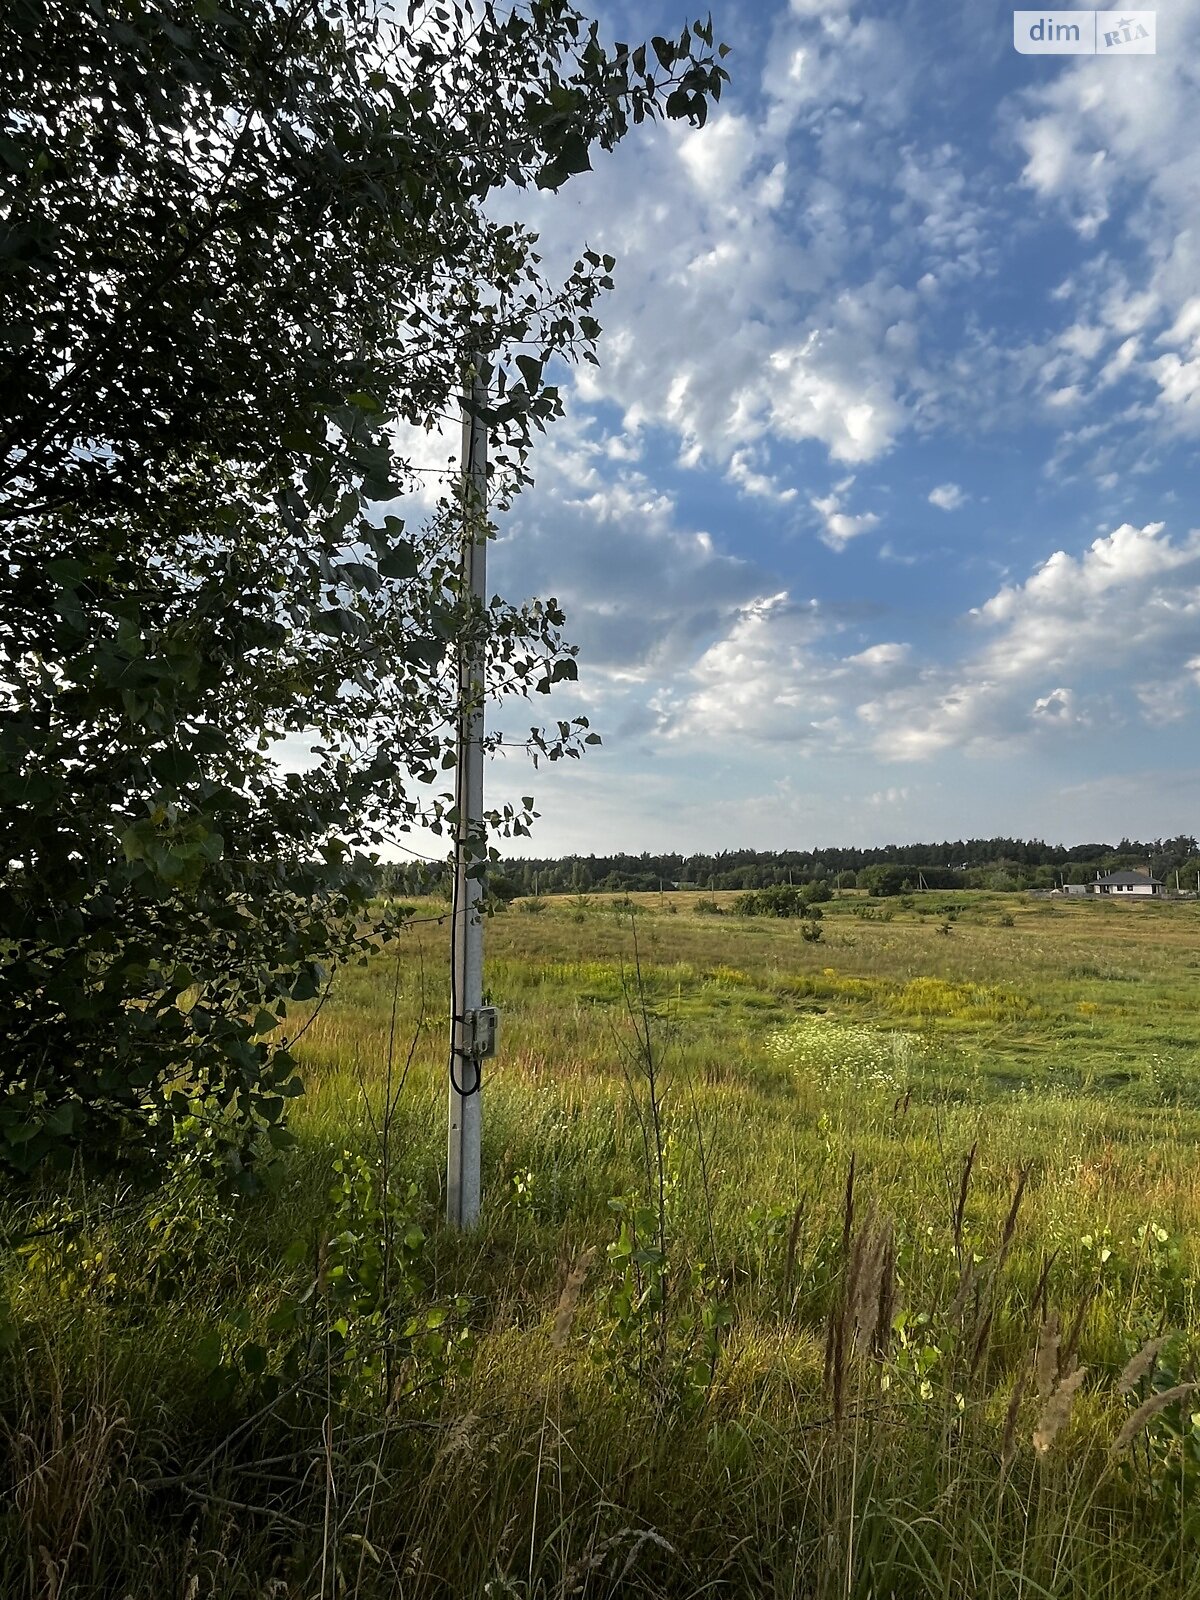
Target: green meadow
862 1265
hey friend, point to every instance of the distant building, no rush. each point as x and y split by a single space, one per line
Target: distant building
1126 883
1141 885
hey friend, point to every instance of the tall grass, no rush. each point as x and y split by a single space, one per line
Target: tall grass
855 1313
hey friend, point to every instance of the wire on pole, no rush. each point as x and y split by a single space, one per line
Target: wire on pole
470 1036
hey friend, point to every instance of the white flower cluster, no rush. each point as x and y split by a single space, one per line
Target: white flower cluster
847 1055
1174 1078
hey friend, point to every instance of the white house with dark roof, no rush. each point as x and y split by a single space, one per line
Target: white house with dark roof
1126 884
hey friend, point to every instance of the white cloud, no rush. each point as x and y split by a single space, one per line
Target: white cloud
839 525
761 298
643 592
1114 152
815 277
825 389
1165 702
744 471
1061 399
948 497
942 208
1083 340
881 656
778 676
761 680
432 454
1058 656
888 552
1128 606
716 156
1121 566
1058 707
1119 363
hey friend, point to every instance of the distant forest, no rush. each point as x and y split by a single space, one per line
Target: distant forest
887 869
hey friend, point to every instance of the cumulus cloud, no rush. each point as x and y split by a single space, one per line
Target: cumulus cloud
948 497
716 156
824 275
1113 149
1074 632
780 675
1085 642
881 657
643 591
744 470
839 526
762 680
768 264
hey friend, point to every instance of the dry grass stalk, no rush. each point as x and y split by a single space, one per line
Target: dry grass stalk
1056 1413
1148 1409
839 1336
1014 1211
964 1188
1141 1365
459 1439
878 1291
840 1342
986 1290
966 1281
983 1334
1008 1440
835 1361
831 1325
793 1247
1039 1293
568 1300
1045 1361
885 1304
848 1206
64 1465
861 1321
862 1284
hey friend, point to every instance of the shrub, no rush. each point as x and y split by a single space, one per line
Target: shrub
783 900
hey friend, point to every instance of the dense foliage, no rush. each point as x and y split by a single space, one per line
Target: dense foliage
783 900
244 248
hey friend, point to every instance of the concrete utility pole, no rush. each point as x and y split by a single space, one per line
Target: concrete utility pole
472 1027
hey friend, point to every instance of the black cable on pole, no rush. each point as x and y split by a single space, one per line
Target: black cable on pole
457 1018
465 1094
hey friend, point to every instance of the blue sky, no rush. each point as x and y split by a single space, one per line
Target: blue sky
878 521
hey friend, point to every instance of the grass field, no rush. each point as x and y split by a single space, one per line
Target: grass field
805 1269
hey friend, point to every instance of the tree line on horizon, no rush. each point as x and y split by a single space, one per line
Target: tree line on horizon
997 863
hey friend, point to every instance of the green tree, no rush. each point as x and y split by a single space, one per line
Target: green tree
241 245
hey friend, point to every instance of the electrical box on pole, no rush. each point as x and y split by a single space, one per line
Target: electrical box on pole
472 1024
